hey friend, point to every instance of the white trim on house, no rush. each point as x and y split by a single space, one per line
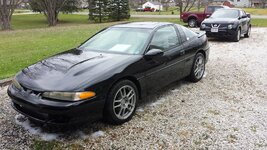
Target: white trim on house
155 5
242 3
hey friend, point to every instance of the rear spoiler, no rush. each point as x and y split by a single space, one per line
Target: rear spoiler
248 14
201 33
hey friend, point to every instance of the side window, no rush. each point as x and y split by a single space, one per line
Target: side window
165 38
210 9
216 8
189 34
242 13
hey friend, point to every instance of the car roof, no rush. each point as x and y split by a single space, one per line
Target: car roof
223 6
230 9
146 25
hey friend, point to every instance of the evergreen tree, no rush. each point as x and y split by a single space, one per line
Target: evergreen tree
98 10
108 10
70 6
120 10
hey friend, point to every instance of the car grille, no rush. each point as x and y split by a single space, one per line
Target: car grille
216 25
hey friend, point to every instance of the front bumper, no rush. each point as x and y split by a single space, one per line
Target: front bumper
55 112
227 33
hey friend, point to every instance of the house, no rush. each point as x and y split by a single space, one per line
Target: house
242 3
228 3
258 3
223 2
155 5
217 2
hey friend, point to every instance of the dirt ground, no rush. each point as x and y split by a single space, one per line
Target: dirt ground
225 110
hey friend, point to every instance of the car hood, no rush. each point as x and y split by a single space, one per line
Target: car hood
220 20
70 70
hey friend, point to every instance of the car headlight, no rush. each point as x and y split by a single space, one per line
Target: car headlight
230 26
69 96
203 26
16 84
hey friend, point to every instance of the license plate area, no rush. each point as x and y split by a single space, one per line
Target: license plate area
214 29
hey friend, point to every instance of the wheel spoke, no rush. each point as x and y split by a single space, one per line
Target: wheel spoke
129 93
120 111
117 106
121 93
196 70
123 112
131 96
118 100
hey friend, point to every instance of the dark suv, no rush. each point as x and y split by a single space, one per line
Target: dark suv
229 23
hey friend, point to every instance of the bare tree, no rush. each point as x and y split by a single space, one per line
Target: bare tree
185 5
166 4
50 8
263 3
7 8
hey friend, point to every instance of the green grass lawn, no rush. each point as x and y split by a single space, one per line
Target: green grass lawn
256 11
39 21
32 40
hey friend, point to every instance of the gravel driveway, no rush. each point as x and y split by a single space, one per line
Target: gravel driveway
226 110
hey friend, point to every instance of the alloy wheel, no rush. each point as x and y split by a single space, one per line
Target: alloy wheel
124 102
249 30
238 35
192 23
199 67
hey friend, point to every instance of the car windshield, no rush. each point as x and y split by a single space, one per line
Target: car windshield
225 13
118 40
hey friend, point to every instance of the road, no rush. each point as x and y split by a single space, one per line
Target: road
147 16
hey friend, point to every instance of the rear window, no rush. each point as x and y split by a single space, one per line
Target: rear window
189 34
211 9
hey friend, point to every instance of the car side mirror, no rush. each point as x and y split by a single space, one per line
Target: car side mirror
153 53
241 17
245 16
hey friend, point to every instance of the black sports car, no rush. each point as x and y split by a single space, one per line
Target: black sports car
229 23
109 74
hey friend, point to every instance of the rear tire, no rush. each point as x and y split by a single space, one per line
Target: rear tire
198 68
121 102
248 32
192 23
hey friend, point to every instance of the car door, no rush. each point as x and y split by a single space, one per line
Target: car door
243 21
168 67
190 46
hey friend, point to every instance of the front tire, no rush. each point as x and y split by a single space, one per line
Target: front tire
198 68
237 35
121 102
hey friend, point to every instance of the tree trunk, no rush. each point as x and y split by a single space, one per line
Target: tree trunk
5 23
90 4
51 19
6 11
51 9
